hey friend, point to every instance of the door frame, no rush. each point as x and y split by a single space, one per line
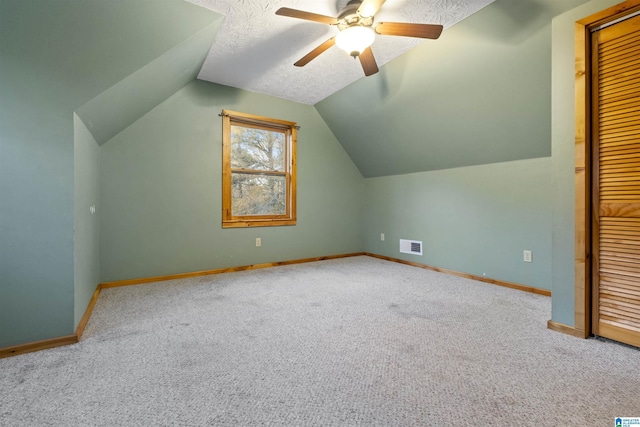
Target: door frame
583 308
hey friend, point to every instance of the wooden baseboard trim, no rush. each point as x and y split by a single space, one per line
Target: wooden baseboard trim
87 313
54 342
565 329
503 283
220 271
73 339
37 346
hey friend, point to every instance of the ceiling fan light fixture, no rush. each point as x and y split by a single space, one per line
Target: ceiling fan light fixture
368 10
355 39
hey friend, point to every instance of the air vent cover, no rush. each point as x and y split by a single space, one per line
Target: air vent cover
410 247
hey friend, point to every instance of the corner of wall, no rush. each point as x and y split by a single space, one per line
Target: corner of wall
563 158
86 209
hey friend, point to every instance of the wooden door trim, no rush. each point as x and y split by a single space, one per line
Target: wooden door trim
583 198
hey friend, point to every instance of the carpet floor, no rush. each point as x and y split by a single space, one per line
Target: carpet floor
346 342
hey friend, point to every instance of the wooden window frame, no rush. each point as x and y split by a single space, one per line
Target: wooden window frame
230 118
583 198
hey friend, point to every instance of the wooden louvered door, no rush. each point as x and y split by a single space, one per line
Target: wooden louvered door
616 181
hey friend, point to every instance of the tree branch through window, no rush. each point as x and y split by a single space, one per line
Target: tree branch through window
259 174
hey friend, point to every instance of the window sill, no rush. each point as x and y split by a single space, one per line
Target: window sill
258 223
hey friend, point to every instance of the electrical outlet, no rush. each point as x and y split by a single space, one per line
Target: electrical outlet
258 241
527 256
382 236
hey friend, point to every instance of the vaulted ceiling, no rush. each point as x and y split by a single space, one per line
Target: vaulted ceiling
480 94
255 49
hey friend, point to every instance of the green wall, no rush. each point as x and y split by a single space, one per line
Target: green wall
474 219
161 190
478 95
86 224
489 93
115 108
457 134
36 181
496 87
563 154
55 56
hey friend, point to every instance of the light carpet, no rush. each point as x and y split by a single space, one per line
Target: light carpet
346 342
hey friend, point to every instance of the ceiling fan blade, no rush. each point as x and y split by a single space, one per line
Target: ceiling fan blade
425 31
300 14
315 52
368 62
368 8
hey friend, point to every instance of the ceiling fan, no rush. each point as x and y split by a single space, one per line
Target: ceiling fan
357 31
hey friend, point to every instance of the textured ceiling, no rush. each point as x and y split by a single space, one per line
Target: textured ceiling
255 49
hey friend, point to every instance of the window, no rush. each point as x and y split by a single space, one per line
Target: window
258 171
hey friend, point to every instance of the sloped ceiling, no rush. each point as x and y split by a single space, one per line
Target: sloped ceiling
255 49
480 95
143 52
109 61
114 109
85 47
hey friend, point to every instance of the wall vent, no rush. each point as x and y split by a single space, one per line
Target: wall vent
410 247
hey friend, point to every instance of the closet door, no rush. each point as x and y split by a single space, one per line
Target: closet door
616 181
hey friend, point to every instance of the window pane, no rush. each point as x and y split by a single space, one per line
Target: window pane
258 195
259 149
